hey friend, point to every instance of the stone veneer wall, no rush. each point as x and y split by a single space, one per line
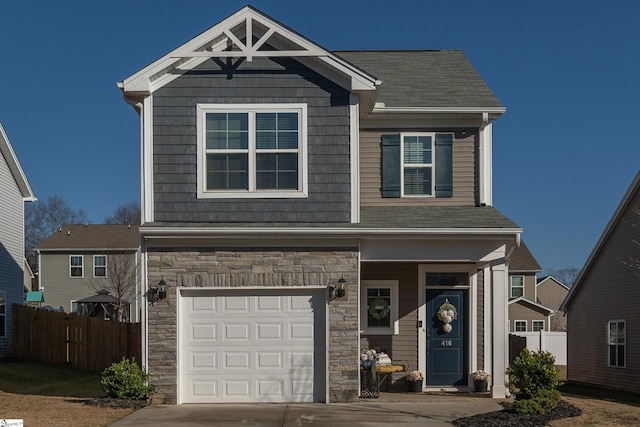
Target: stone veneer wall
270 267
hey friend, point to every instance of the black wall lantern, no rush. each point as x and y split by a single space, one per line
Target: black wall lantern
154 294
337 291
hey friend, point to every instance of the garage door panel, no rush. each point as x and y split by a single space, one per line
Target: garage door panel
250 348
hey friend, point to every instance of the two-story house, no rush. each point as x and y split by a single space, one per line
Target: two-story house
300 204
534 304
14 192
79 260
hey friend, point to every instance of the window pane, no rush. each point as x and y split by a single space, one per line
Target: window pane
417 150
3 303
276 131
621 356
2 327
227 172
379 307
612 333
612 355
227 131
516 292
417 181
76 261
447 279
277 171
620 336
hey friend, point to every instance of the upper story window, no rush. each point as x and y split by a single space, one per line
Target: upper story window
517 286
617 343
99 266
417 165
252 150
379 307
75 266
3 314
520 326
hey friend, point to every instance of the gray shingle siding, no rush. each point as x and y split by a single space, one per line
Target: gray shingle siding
261 81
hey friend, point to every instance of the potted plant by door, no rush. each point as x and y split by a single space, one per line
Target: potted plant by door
414 379
480 381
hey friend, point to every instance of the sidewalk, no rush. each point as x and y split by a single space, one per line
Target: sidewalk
405 409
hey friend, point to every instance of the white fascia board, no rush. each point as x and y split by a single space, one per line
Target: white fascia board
462 110
533 303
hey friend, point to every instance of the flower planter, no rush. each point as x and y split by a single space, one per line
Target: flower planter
479 386
415 386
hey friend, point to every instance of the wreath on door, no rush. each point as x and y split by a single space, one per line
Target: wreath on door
447 313
379 308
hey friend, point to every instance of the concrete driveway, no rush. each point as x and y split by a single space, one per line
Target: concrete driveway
405 409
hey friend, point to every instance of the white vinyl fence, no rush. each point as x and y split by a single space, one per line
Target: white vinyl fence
553 342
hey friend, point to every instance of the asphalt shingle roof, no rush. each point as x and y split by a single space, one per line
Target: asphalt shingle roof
424 78
93 236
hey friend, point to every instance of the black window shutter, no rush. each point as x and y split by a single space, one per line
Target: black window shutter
444 165
391 165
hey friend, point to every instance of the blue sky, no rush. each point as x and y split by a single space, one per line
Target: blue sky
564 153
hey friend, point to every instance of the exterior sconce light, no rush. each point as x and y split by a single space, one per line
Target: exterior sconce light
154 294
337 291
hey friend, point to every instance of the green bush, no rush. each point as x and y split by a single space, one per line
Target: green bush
126 380
532 372
543 401
527 406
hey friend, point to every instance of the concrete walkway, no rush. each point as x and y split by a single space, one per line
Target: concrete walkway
404 409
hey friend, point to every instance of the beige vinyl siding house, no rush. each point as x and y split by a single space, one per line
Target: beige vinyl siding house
603 320
14 192
550 292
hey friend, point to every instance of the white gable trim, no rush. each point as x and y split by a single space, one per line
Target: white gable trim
213 42
14 166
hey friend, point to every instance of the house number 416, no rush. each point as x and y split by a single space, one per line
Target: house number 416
446 343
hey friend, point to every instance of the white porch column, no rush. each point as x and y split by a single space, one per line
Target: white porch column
500 318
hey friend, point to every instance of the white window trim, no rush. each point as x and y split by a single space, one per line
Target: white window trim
616 344
303 181
511 286
3 332
82 266
105 265
420 165
393 285
515 322
533 322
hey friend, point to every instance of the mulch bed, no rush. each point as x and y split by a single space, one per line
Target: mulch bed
112 402
508 417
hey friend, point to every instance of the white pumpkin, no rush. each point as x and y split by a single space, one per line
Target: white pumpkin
447 328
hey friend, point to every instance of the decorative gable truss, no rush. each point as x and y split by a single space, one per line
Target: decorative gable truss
245 35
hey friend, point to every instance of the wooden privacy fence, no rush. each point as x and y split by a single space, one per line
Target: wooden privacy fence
553 342
80 341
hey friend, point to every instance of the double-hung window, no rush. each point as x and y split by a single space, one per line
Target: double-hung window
99 266
76 266
617 343
417 165
537 325
254 150
517 286
3 314
520 326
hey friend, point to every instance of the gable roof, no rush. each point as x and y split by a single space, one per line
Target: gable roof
534 305
92 237
235 37
615 218
522 261
412 81
14 166
547 279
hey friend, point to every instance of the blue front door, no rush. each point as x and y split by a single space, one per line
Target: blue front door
446 351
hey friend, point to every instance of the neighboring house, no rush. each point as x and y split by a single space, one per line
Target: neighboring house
300 204
526 312
603 319
80 259
14 191
550 292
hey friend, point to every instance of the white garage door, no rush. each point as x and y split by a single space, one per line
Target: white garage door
251 345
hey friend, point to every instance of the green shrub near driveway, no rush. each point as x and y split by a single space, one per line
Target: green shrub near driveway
126 380
533 376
